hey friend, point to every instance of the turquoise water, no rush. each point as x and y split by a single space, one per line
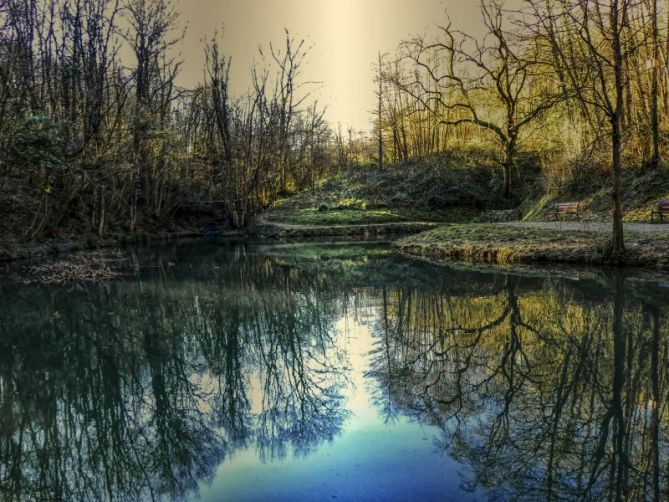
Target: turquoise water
224 371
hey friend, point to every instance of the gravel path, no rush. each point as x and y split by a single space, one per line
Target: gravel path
595 227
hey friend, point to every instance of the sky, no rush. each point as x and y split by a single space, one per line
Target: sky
345 35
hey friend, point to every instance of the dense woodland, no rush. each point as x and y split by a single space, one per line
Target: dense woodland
84 134
99 143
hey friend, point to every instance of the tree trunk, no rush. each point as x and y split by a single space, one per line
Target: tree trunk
509 155
617 240
506 190
654 117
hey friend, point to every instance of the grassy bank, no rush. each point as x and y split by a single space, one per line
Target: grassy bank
507 245
283 231
460 187
456 186
450 208
640 195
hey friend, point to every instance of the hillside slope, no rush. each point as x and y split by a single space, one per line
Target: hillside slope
640 195
452 187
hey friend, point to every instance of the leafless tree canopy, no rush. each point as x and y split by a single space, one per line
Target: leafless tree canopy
90 142
567 78
105 145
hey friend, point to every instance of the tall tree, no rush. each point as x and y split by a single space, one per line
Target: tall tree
379 108
654 111
288 96
594 45
150 38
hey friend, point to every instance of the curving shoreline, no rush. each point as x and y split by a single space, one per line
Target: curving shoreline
518 243
501 244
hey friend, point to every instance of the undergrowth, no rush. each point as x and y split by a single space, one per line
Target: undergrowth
455 186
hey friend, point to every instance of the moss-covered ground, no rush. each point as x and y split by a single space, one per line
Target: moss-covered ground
505 244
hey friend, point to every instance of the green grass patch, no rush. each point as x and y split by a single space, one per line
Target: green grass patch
494 233
506 245
335 217
313 217
536 209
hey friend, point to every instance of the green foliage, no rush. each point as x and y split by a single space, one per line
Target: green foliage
350 203
641 193
37 141
336 216
534 209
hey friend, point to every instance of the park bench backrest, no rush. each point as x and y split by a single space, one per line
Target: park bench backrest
567 207
662 211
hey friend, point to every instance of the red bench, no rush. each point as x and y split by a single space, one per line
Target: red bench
565 208
662 211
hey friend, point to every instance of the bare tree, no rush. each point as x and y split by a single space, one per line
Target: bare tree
654 92
465 74
596 39
379 108
150 37
288 96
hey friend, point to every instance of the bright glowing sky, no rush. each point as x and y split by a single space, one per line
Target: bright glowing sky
346 36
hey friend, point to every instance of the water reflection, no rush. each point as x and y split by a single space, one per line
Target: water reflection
540 387
137 389
549 393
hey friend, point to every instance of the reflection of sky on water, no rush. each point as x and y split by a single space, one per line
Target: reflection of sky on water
371 459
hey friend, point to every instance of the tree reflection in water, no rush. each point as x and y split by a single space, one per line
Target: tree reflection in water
138 389
549 391
545 387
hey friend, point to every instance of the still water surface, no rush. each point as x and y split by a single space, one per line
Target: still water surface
224 371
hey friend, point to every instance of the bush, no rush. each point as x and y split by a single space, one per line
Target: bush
37 141
350 203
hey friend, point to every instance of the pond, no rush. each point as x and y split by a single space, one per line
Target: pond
229 371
